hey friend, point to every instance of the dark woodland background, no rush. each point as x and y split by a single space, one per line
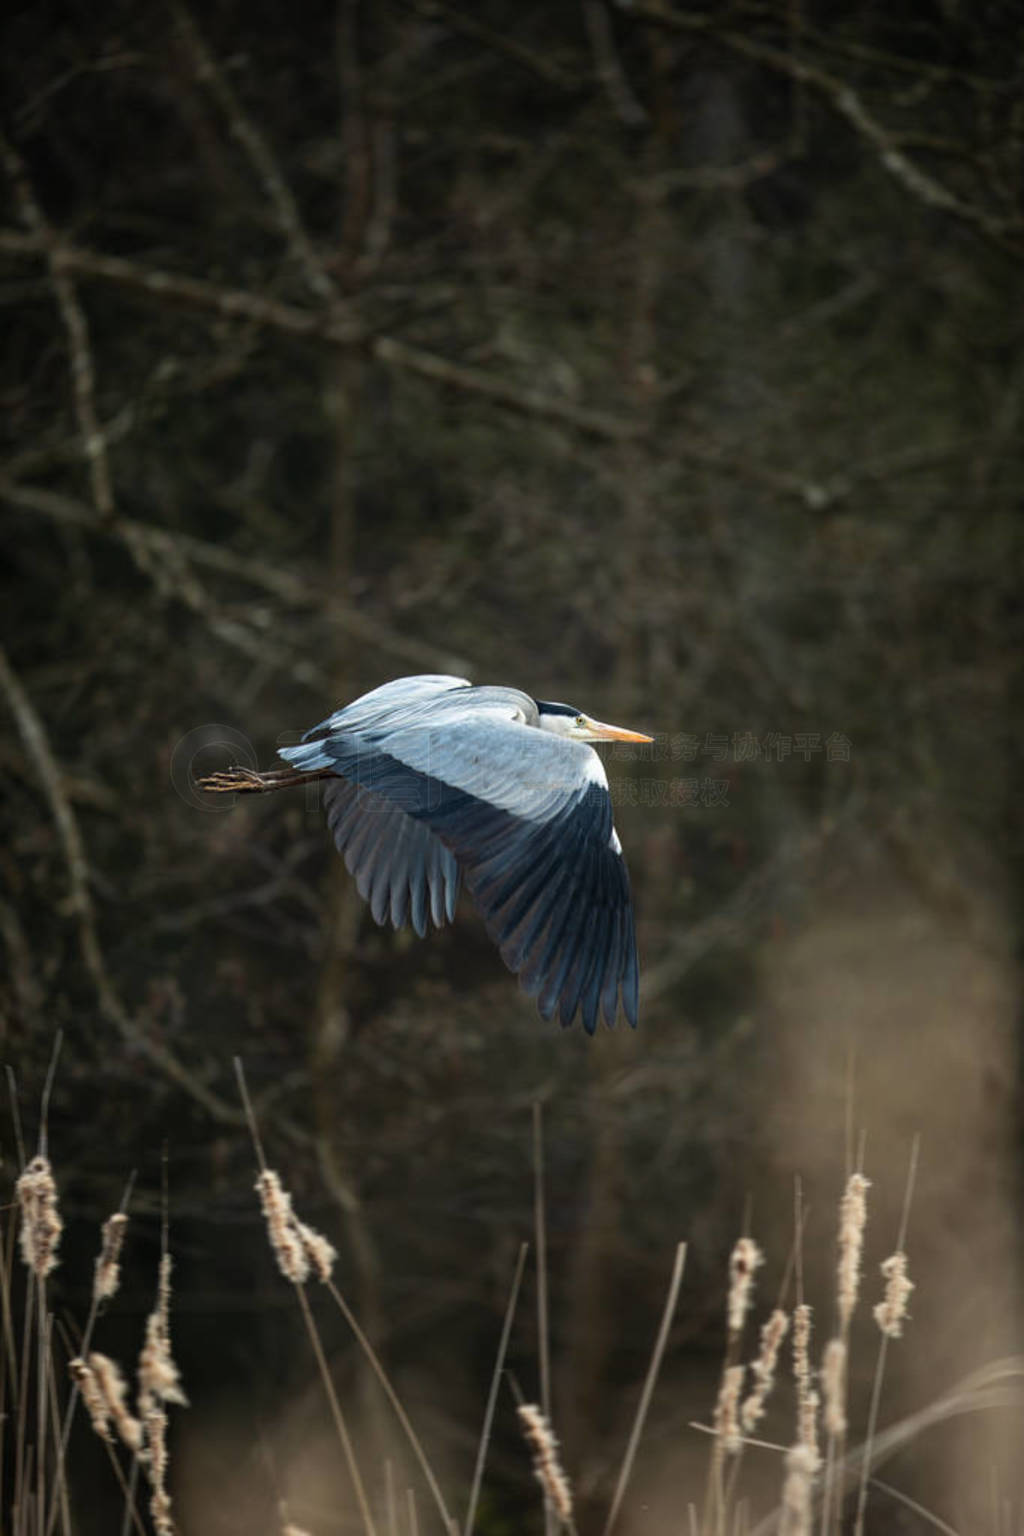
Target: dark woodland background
664 360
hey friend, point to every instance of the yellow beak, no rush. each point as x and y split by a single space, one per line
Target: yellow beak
604 732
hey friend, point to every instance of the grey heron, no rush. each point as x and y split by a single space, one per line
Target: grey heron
432 782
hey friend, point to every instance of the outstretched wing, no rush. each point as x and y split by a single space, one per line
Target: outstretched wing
401 869
528 817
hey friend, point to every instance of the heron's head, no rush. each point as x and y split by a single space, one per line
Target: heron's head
565 720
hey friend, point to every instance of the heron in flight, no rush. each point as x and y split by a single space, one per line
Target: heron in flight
432 781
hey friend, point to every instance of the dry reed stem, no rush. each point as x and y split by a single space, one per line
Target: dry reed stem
648 1387
889 1315
744 1262
107 1275
339 1419
763 1369
540 1241
393 1398
106 1278
492 1395
58 1480
283 1225
546 1464
41 1224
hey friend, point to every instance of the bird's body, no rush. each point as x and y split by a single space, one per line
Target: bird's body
432 782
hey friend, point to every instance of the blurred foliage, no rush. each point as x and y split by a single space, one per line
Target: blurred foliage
665 360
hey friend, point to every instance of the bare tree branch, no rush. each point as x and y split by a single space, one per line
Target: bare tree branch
37 746
194 292
157 550
83 379
260 156
844 100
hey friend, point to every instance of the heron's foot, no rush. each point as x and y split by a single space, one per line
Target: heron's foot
231 781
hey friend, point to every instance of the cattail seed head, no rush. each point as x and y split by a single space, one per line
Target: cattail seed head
833 1384
282 1227
156 1441
807 1400
726 1420
797 1491
107 1276
41 1225
763 1369
891 1313
92 1397
744 1261
546 1464
159 1377
853 1215
105 1394
159 1380
320 1253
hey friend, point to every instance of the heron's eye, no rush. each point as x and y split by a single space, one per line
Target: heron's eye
580 721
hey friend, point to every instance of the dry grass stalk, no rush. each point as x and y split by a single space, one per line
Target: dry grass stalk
833 1383
107 1276
744 1261
41 1225
726 1420
293 1530
763 1369
798 1491
546 1465
890 1313
853 1215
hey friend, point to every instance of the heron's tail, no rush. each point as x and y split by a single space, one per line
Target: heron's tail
248 781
